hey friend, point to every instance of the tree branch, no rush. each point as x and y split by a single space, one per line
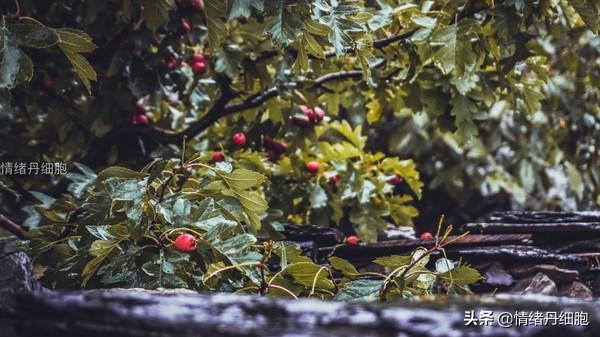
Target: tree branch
12 227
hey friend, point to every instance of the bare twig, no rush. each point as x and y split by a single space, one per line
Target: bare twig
12 226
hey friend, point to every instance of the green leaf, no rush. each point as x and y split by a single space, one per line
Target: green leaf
360 290
339 19
156 12
461 275
589 12
75 41
243 179
284 24
308 273
119 172
216 14
83 68
393 261
343 266
81 181
463 109
28 32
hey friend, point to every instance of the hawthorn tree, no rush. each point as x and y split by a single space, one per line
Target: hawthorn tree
327 112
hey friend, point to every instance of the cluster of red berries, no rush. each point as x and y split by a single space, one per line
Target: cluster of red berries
198 64
139 115
274 148
308 116
185 243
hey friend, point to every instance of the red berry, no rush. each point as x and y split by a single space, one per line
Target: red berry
198 67
134 120
352 240
313 167
318 115
199 58
185 243
395 180
184 27
49 84
195 5
308 112
142 119
171 63
426 236
239 139
301 120
217 156
333 180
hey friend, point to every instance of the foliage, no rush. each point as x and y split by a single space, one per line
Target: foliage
117 229
477 98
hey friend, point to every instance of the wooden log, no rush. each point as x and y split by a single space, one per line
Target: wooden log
132 313
512 255
544 217
549 228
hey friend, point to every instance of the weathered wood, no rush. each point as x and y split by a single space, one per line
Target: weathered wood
151 314
544 217
556 229
515 255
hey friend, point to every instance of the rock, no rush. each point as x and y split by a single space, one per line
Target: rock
497 276
538 284
558 275
576 290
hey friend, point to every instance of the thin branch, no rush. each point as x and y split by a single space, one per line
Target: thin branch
12 227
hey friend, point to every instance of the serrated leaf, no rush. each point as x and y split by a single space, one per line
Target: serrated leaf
343 266
393 261
156 12
216 14
284 25
83 68
119 172
307 274
28 32
360 291
75 41
589 12
243 179
461 275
